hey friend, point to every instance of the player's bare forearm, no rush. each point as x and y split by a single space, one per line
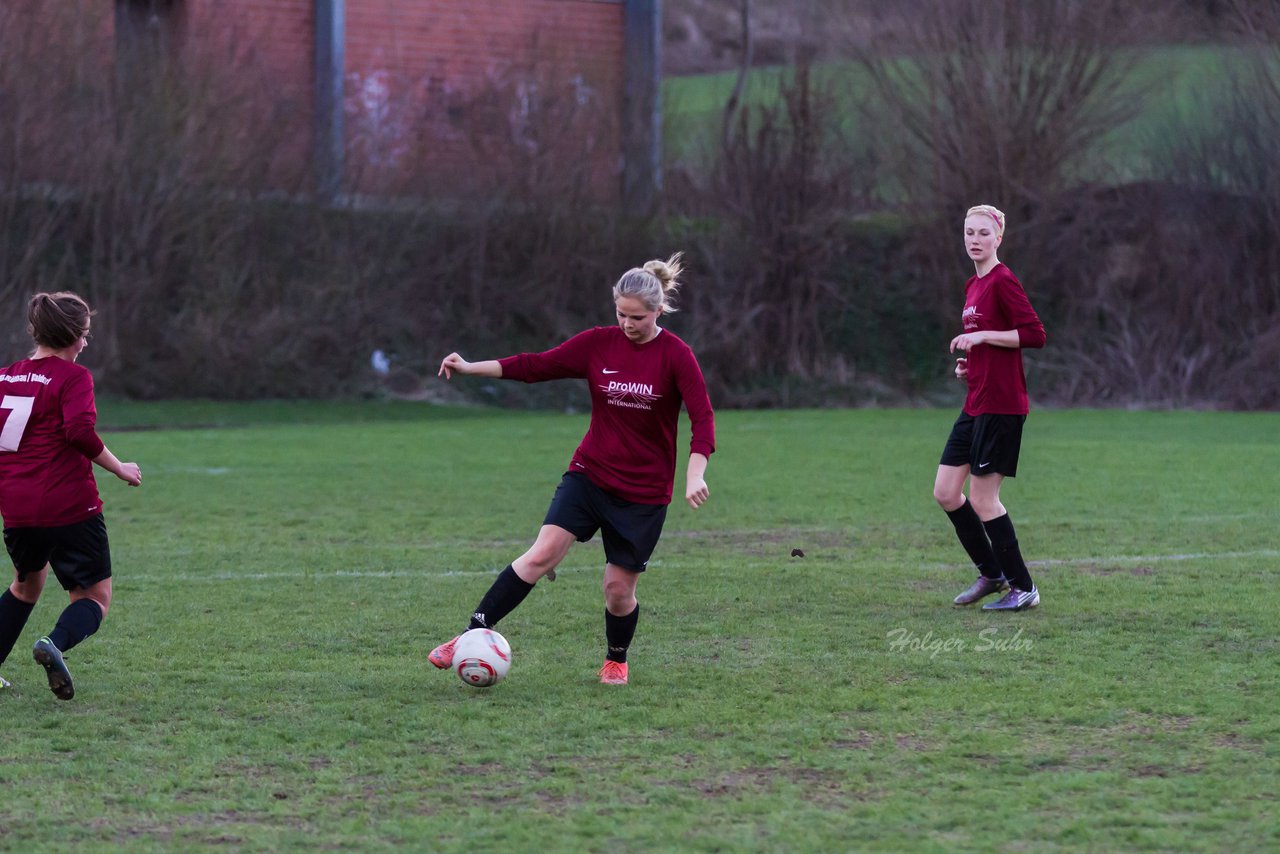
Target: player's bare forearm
454 363
130 473
696 491
1007 338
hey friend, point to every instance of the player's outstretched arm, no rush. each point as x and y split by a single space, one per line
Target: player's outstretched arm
454 363
130 473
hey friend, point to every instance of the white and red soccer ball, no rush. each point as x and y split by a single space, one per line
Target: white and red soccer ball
481 658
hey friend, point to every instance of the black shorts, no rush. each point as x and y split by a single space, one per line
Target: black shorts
987 444
630 531
79 553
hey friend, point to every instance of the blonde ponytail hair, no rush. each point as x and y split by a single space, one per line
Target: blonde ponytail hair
655 284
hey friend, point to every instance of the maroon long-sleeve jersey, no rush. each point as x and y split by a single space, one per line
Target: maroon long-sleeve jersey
47 443
636 393
997 383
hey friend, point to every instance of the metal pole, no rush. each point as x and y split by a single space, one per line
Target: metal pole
642 105
329 150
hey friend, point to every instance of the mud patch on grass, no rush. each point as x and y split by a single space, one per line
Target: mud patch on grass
819 786
1236 741
862 740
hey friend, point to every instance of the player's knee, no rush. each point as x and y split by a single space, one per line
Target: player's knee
100 597
27 591
620 604
540 561
948 499
987 508
618 596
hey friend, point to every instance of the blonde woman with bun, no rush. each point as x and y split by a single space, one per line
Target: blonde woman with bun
622 475
998 323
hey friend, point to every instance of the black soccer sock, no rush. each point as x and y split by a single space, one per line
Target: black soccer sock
1005 545
973 536
13 618
507 592
618 632
76 622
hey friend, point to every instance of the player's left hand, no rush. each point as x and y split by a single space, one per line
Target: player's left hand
696 492
967 341
453 363
130 473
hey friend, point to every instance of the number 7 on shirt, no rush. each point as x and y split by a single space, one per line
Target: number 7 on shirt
16 423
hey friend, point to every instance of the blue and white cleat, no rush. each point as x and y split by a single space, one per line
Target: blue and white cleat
981 589
1015 600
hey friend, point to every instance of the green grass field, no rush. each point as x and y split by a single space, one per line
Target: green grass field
261 682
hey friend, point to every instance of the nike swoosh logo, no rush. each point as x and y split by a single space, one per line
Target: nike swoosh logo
607 371
983 465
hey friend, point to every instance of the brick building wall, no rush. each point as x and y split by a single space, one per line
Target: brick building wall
436 95
435 91
260 55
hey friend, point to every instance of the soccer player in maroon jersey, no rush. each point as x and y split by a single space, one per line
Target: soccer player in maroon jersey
983 448
48 497
621 476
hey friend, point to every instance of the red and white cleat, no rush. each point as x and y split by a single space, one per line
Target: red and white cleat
442 656
613 673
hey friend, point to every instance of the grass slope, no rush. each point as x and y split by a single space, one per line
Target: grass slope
1175 78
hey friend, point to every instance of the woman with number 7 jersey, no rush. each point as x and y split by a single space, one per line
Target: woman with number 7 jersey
620 479
48 496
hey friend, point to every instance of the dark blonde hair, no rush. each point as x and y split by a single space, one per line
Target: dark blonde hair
57 320
654 284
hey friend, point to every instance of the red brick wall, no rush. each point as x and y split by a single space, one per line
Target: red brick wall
436 89
273 36
440 95
260 52
440 90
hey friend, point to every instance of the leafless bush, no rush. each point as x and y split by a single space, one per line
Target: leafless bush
178 212
125 175
1184 307
170 193
537 238
784 186
1006 102
1146 322
1000 99
33 218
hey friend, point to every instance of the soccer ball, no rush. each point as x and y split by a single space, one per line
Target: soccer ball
481 658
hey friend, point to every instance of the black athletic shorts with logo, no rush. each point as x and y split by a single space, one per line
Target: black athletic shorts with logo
987 444
79 553
630 531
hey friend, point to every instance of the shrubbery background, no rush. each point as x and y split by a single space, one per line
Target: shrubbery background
822 235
